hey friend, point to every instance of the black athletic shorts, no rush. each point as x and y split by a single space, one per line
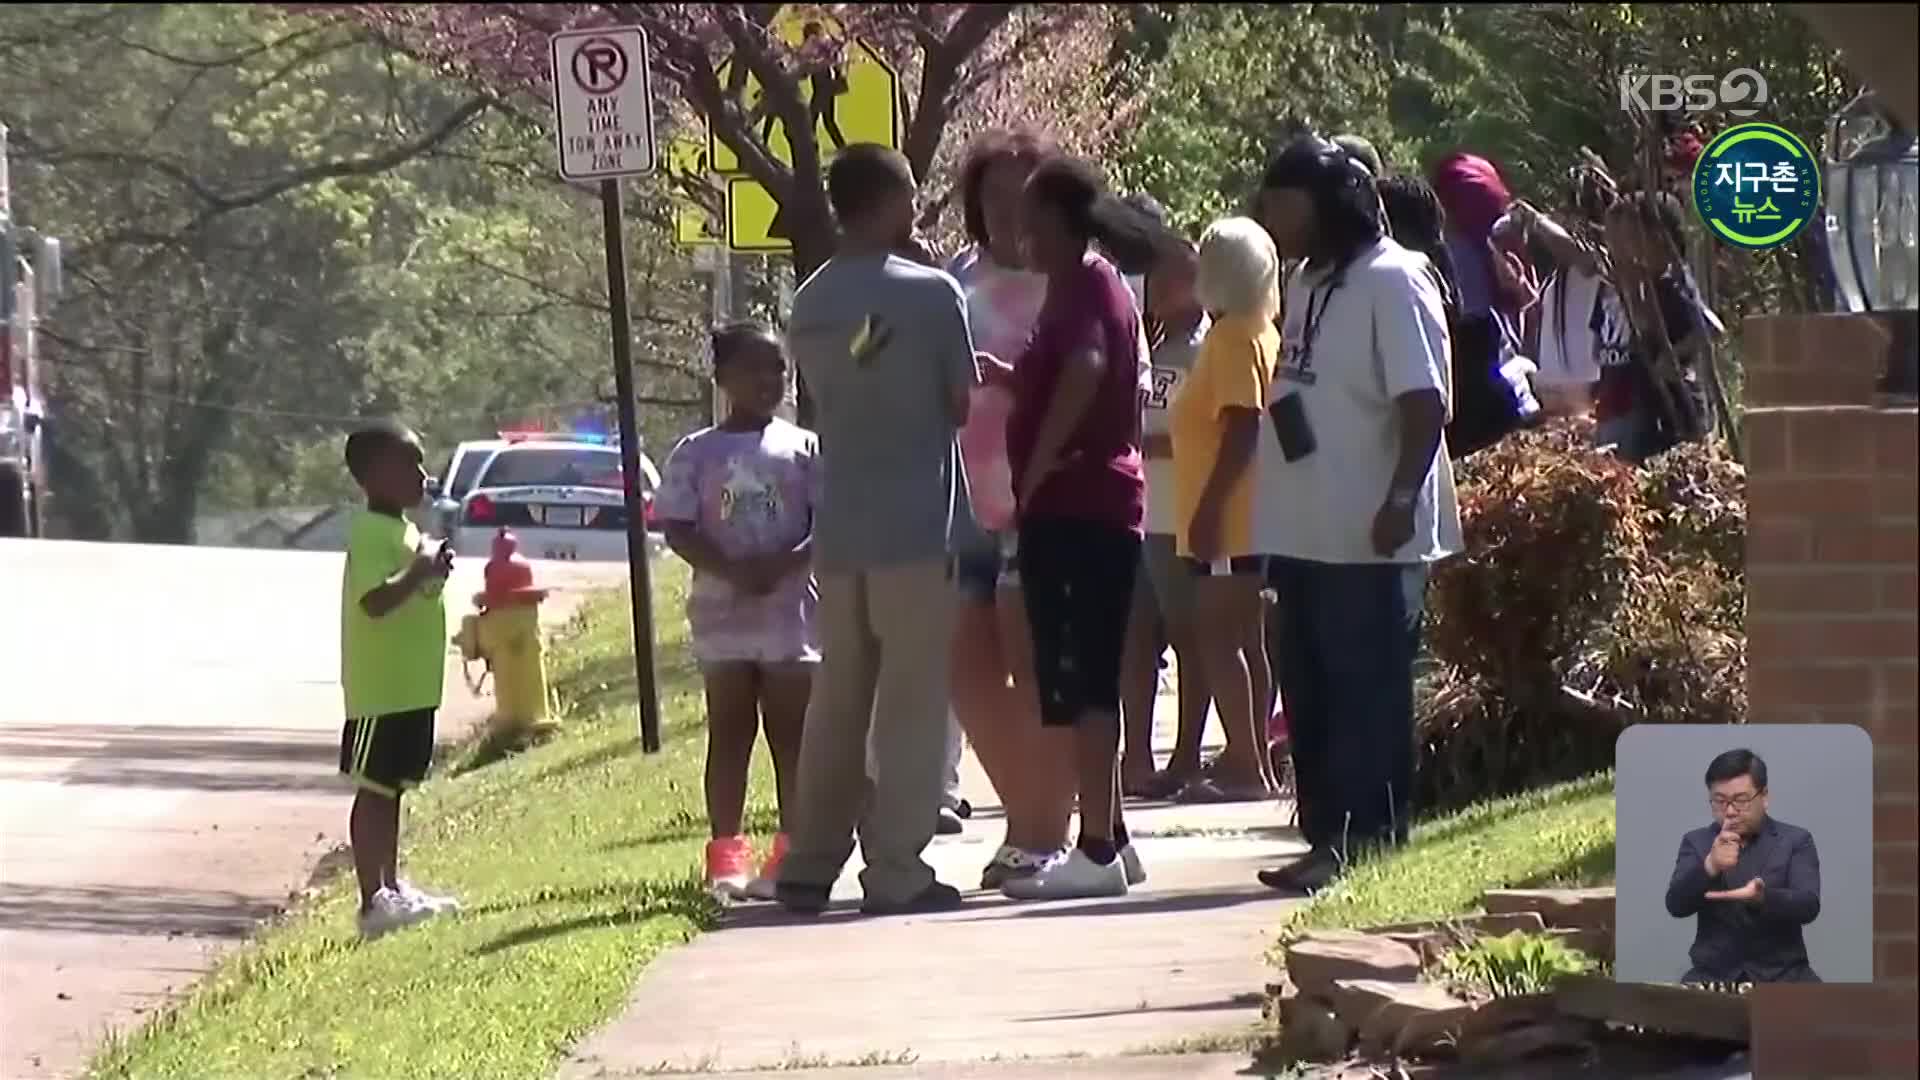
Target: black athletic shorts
388 754
1078 577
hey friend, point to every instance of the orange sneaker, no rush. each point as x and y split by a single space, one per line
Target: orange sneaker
729 862
764 886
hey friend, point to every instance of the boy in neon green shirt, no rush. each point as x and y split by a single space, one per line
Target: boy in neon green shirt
393 646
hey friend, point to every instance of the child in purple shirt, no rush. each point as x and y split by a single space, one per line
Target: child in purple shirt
737 504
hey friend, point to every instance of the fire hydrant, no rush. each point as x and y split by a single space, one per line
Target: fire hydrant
505 633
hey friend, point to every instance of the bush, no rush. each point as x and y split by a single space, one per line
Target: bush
1591 596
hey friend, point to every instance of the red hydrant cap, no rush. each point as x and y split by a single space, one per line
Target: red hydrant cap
509 576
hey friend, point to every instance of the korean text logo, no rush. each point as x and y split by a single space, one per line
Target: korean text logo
1756 186
1740 92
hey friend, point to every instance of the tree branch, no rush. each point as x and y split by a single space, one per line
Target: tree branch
939 74
229 60
365 165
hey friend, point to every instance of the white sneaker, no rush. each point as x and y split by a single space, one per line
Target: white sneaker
390 911
1011 862
1130 862
439 905
1073 877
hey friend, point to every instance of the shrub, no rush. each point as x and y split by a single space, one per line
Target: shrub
1591 596
1511 965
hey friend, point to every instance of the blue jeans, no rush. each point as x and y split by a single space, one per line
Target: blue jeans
1347 638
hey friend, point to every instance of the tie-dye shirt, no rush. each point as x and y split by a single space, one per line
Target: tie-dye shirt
749 493
1002 304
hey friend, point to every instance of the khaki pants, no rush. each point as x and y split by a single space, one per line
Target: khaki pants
885 637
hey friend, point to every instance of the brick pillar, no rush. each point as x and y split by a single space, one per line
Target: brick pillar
1831 600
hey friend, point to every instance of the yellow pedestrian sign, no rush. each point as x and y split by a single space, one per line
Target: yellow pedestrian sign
853 97
694 225
754 217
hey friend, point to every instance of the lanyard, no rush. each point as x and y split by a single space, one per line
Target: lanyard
1311 320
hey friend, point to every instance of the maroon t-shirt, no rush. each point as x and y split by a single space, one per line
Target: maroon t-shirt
1101 477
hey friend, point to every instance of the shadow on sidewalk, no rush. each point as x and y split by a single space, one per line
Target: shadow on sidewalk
1141 903
225 759
985 906
156 742
1246 1002
95 909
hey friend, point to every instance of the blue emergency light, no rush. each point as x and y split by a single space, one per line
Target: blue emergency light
598 438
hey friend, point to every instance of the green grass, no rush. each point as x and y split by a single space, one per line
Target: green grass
578 862
1559 836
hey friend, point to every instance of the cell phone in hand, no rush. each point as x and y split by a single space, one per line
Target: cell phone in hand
1290 425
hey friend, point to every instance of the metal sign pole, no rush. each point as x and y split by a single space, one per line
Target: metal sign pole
639 572
722 314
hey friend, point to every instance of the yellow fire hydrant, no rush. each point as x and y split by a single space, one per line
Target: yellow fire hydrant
505 633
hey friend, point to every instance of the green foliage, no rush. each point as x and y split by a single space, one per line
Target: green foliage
1233 80
1527 85
1559 836
1591 596
277 225
1512 965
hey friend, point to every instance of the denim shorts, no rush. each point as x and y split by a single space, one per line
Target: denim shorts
982 570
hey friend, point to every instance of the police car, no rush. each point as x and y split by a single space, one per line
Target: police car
441 509
560 494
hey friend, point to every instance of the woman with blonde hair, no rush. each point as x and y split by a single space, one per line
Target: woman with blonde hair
1215 423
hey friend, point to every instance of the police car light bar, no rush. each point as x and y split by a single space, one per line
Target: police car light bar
596 437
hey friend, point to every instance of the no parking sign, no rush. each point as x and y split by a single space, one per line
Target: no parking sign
602 103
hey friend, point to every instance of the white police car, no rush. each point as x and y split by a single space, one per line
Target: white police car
440 511
560 494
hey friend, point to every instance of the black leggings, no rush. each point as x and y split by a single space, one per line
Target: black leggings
1078 578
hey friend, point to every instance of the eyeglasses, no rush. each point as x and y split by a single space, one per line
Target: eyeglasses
1738 802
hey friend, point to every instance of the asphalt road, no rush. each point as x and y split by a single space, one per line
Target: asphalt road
169 734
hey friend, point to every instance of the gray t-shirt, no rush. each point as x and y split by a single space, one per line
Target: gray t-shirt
884 346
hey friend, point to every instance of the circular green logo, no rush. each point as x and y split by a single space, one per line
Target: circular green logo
1756 186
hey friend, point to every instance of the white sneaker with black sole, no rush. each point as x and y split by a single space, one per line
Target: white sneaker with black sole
1072 878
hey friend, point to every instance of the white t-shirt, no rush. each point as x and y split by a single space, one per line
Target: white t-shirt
1137 285
1171 362
1569 331
1378 333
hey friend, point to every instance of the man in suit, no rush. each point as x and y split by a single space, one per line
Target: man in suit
1752 880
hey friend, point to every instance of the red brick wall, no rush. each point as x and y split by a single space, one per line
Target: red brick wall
1831 638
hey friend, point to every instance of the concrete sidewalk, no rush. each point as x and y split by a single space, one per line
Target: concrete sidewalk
164 792
996 989
1138 1067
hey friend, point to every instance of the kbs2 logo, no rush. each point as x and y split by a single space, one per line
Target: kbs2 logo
1740 93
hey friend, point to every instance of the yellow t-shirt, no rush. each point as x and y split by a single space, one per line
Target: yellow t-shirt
395 663
1233 369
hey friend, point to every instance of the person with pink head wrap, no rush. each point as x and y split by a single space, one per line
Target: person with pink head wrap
1495 291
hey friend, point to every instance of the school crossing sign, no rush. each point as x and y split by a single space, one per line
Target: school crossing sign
851 95
602 103
1756 186
850 91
